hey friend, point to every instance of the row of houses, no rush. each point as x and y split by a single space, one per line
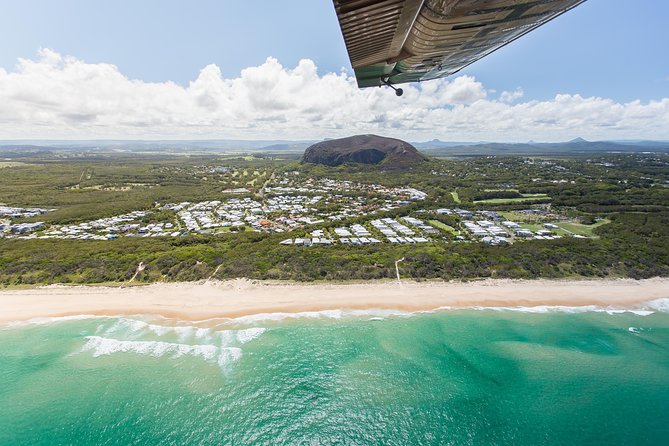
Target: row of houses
408 240
14 212
315 241
358 240
421 225
22 228
358 234
101 229
462 213
292 184
491 233
391 228
484 228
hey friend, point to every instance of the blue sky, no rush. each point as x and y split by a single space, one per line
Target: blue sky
610 49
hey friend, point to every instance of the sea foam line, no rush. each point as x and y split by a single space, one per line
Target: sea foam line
323 314
645 309
543 309
660 305
56 319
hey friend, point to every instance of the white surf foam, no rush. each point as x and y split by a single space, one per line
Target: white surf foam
134 326
101 346
228 355
640 312
249 334
125 325
544 309
185 334
659 305
381 314
324 314
106 346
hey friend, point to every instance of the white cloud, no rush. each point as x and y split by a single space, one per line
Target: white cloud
511 96
59 96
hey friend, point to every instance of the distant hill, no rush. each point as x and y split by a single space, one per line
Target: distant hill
364 149
438 144
287 147
575 146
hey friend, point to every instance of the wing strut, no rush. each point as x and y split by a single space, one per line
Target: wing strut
398 91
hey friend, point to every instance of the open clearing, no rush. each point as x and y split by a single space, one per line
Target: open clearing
581 229
4 164
444 227
526 198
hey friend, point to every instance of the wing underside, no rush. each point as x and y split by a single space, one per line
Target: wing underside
399 41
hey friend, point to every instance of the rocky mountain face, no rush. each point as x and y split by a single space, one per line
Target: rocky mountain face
364 149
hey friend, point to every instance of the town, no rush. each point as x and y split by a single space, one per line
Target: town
307 208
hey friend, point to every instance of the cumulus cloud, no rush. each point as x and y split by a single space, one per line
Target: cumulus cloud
55 96
511 96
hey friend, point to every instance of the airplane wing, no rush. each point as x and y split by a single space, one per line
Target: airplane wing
398 41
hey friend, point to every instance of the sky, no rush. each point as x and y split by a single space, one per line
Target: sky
219 69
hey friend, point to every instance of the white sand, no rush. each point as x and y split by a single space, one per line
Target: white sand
197 301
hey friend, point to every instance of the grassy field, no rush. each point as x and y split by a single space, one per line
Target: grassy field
455 196
4 164
531 227
444 227
526 198
581 229
567 228
522 216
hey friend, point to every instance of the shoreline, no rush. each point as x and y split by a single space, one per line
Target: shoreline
241 297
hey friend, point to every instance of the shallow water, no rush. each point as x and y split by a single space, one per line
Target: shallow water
537 376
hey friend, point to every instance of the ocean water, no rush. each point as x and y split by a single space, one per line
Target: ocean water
533 376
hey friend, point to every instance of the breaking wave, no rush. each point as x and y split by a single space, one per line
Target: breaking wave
659 305
126 335
101 346
183 333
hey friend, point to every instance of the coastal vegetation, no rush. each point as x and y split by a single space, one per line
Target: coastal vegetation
619 202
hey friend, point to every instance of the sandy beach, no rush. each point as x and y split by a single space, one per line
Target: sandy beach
234 298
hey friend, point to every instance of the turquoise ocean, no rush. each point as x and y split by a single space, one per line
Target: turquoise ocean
524 376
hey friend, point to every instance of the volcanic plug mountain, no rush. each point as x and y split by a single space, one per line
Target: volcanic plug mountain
366 149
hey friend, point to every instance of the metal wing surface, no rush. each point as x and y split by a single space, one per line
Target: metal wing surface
398 41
